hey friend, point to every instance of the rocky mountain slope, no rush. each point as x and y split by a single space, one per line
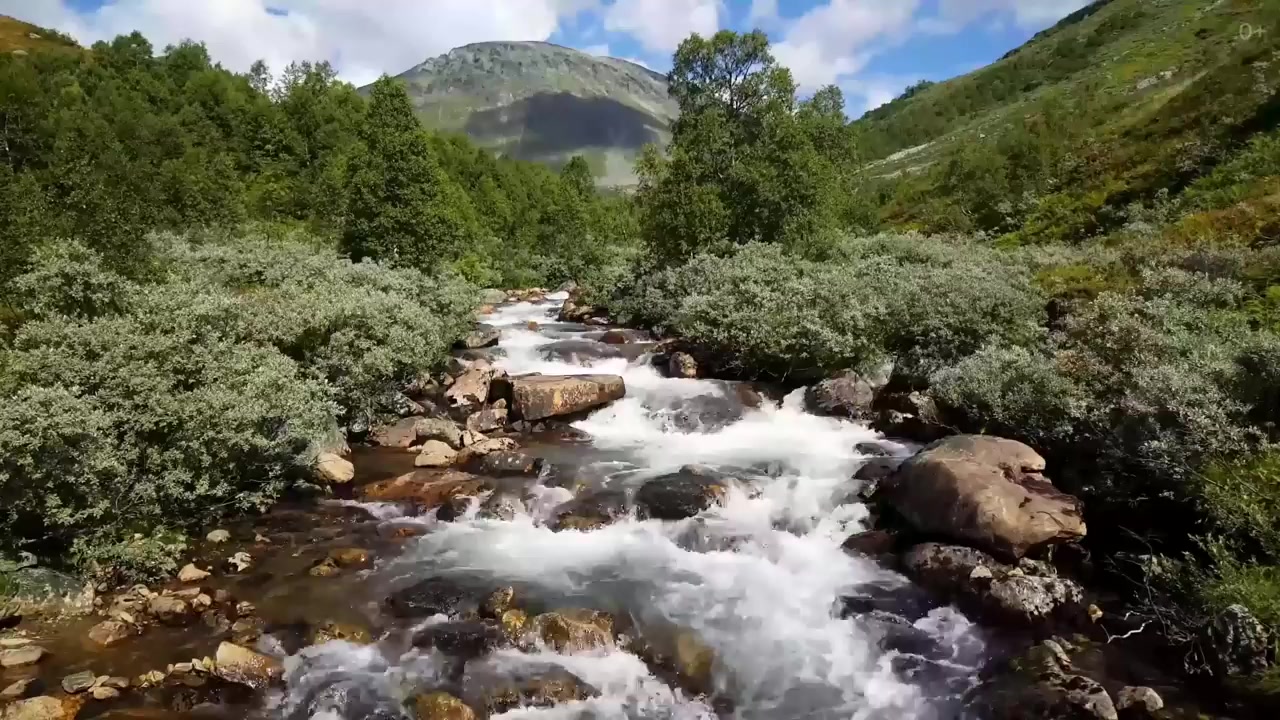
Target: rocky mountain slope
543 102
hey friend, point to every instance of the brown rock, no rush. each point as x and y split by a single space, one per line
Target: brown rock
570 631
847 395
483 336
104 692
442 429
470 388
987 492
694 661
20 689
871 543
331 631
441 706
334 469
498 602
542 396
435 454
42 708
350 557
505 464
682 365
191 574
401 434
169 609
237 664
21 656
110 632
514 622
427 488
488 419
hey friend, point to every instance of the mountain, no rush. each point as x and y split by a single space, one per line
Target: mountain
543 102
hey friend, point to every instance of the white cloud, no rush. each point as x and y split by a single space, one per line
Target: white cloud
601 50
763 13
954 15
838 39
362 39
660 25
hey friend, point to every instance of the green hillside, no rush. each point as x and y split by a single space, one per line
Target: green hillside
1124 104
21 37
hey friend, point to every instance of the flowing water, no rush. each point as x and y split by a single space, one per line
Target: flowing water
760 579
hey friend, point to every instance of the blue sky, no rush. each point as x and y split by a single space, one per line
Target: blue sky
870 48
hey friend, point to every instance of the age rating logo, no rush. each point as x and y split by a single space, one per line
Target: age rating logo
1249 32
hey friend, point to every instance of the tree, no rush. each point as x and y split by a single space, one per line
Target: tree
576 174
401 206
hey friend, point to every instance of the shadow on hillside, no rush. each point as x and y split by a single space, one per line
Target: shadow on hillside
557 124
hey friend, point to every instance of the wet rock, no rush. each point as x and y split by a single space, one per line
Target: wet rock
484 446
42 708
333 469
218 537
21 656
623 336
877 469
453 508
239 562
441 429
326 568
514 623
237 664
871 543
463 639
79 682
350 557
111 632
590 510
471 388
493 296
402 433
987 492
488 419
425 488
848 395
1236 644
1139 703
579 352
331 631
432 596
576 630
982 585
435 454
441 706
571 311
682 365
21 689
679 495
498 602
498 692
911 415
501 506
1042 686
482 337
505 464
874 449
536 397
191 574
169 609
694 661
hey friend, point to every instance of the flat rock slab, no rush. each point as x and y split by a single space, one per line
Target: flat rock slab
537 397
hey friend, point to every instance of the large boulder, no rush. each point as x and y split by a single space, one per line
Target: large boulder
237 664
493 296
575 630
848 395
333 469
435 595
42 708
442 429
499 689
482 337
470 388
464 639
1043 685
505 464
401 434
488 419
1030 595
435 454
590 510
537 397
913 415
987 492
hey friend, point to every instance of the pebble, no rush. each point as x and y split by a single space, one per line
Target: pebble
103 692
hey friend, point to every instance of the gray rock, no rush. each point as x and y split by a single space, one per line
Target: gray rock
847 395
482 337
21 656
1236 643
1139 703
42 708
682 365
493 296
442 429
79 682
1043 687
21 689
435 453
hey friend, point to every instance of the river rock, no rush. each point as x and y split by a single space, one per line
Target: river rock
333 469
435 454
877 469
982 585
488 419
498 690
399 434
426 488
871 543
590 510
42 708
912 415
217 537
1139 703
493 296
579 352
471 388
169 609
679 495
575 630
21 656
237 664
985 491
441 429
441 706
537 397
21 689
505 464
847 395
1235 643
110 632
482 337
498 602
1042 686
571 311
623 336
682 365
432 596
463 639
191 574
694 661
79 682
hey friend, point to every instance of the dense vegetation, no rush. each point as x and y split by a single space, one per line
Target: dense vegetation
1082 256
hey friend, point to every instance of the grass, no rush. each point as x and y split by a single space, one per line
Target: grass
16 35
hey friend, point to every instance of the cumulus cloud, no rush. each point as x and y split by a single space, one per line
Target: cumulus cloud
660 25
839 38
362 39
954 15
